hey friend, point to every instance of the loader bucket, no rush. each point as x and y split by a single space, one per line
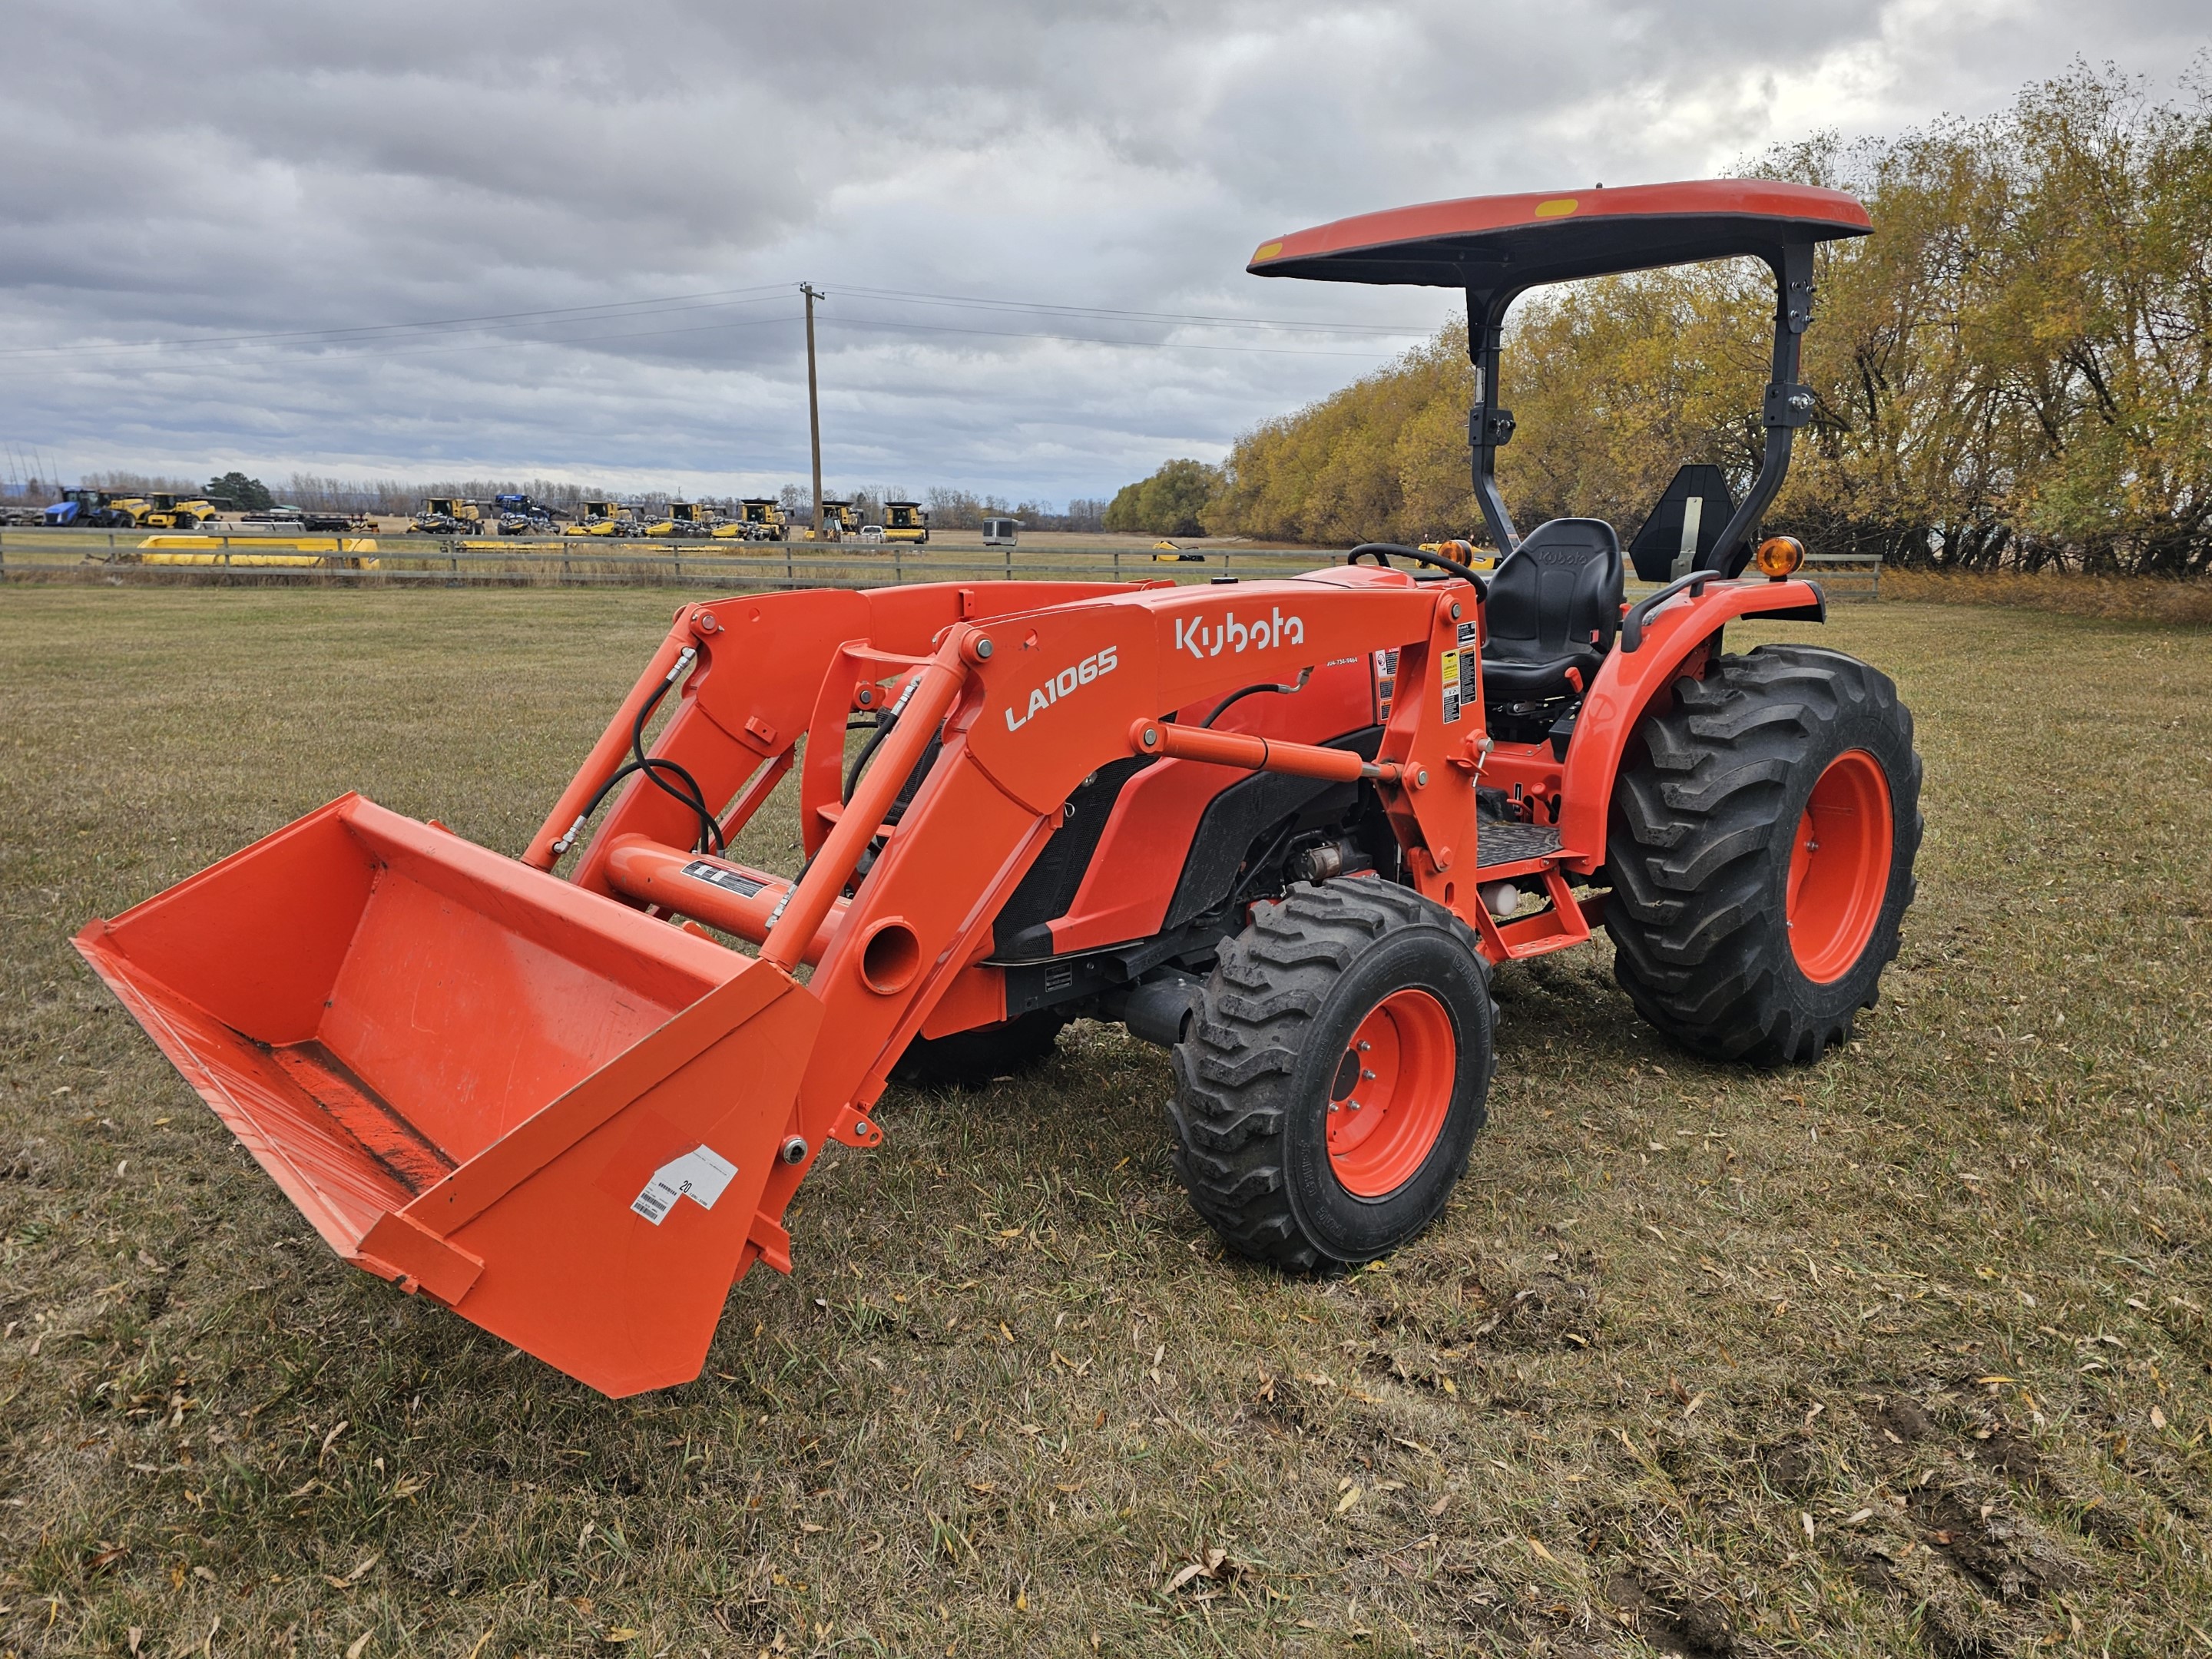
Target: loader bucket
540 1108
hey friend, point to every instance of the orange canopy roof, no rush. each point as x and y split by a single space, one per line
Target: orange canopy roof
1494 242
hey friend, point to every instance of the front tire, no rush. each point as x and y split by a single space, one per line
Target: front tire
1761 847
1334 1075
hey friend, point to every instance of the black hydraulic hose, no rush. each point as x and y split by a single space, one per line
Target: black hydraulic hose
651 768
710 837
1304 674
1383 551
710 831
867 753
885 723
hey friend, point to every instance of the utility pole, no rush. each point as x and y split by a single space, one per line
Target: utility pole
813 403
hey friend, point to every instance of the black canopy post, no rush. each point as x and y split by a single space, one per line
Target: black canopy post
1789 403
1488 425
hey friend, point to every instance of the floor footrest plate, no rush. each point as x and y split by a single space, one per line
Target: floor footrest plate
1512 843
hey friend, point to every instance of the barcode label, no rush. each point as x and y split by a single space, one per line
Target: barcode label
700 1175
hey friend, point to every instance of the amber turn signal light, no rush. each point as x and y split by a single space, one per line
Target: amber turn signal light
1779 556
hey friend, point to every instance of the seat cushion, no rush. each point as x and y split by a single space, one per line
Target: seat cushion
1526 679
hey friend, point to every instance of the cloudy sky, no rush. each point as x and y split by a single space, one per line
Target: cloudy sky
421 240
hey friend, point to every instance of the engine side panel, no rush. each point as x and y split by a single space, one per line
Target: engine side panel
1152 831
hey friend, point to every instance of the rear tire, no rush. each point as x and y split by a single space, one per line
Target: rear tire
1359 987
969 1059
1761 846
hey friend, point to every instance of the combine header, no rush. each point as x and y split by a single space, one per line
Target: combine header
1284 828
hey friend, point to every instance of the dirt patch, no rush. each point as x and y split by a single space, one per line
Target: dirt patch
1901 1420
1544 1310
2005 1557
1690 1622
1794 1465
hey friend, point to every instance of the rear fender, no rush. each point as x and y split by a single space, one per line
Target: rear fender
1627 685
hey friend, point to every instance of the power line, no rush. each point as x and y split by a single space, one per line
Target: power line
615 310
974 302
1090 339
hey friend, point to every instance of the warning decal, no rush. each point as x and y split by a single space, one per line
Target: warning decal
1470 656
714 875
1451 686
700 1175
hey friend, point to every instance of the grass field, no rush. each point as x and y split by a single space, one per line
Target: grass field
1905 1352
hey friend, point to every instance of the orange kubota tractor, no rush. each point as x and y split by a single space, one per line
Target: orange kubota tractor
1285 827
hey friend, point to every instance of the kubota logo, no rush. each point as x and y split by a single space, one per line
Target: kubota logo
1102 661
1231 636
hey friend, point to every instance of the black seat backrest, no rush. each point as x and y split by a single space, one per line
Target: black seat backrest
1560 590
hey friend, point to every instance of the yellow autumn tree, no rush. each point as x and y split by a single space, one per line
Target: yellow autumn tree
2014 369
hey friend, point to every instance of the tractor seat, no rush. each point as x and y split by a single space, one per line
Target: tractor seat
1553 606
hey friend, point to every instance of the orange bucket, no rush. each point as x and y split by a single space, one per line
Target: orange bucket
547 1111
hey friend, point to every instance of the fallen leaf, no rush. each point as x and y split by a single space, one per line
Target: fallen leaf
1541 1550
1807 1520
1347 1500
2157 1418
1993 1379
620 1633
360 1646
330 1439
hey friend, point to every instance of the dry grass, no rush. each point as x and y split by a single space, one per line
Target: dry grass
1906 1352
2114 598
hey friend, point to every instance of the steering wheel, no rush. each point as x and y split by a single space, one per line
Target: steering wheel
1383 551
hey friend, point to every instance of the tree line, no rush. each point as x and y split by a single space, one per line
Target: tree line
2014 371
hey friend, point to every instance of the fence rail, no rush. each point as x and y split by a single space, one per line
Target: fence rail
98 556
578 562
1846 575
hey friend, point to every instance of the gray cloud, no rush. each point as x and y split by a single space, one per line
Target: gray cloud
180 171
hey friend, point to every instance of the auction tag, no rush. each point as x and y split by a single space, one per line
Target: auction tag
699 1175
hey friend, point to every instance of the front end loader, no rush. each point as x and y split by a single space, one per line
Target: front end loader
1285 829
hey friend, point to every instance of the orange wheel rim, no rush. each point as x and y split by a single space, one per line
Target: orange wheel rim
1391 1092
1839 866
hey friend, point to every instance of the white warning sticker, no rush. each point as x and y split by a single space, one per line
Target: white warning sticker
699 1175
